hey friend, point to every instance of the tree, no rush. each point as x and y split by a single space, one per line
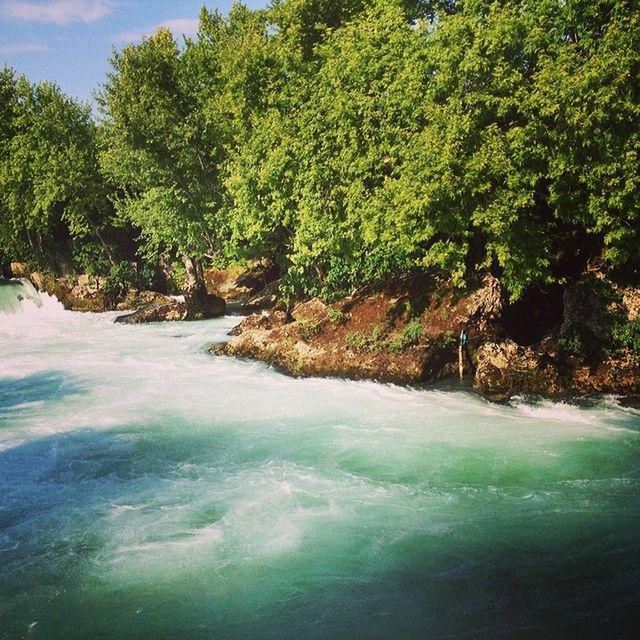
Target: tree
161 150
52 195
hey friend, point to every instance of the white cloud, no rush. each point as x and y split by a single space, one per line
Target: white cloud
56 11
178 26
23 48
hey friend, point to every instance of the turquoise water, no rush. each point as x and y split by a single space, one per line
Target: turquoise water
150 490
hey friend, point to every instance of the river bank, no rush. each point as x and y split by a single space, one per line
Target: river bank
581 339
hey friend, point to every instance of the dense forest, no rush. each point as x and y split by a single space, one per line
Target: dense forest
343 140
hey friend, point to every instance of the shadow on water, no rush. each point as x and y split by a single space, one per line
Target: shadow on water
57 494
37 387
485 578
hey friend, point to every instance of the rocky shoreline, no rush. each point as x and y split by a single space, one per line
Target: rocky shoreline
406 332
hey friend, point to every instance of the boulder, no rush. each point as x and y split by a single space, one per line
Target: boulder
241 284
313 310
200 306
266 298
265 321
506 369
171 311
76 293
484 307
135 299
19 270
631 302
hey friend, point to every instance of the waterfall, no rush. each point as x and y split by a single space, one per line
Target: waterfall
14 293
19 297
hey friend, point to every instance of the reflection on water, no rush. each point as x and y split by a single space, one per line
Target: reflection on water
151 491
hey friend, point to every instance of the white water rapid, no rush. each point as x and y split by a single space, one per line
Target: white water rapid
150 490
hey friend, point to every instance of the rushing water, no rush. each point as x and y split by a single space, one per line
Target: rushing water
151 491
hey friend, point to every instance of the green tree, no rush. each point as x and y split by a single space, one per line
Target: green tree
52 195
163 152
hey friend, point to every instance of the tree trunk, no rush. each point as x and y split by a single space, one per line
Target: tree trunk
105 246
195 285
200 304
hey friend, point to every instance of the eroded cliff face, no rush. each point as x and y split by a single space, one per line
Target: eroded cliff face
407 332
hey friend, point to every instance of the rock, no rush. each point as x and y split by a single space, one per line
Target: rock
201 306
618 374
486 304
631 303
266 298
76 293
265 321
241 283
313 310
406 331
172 311
136 299
401 332
506 369
19 270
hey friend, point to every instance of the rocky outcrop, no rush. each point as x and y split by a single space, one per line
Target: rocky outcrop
407 332
265 298
254 286
84 293
173 310
202 305
264 321
586 354
76 293
484 308
631 302
404 332
136 299
169 312
507 369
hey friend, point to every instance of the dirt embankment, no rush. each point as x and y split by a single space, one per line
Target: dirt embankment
404 332
407 332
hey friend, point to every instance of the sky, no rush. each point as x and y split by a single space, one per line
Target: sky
69 42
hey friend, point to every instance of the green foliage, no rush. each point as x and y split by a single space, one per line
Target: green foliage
121 277
92 259
362 342
576 342
345 142
308 329
336 316
412 332
599 325
52 197
162 141
411 335
450 143
626 335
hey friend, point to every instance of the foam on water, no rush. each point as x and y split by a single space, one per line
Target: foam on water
136 467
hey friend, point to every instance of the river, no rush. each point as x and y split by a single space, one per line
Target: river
152 491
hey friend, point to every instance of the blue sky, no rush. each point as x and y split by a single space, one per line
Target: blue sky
69 42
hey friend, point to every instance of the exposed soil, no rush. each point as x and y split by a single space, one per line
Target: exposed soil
406 331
